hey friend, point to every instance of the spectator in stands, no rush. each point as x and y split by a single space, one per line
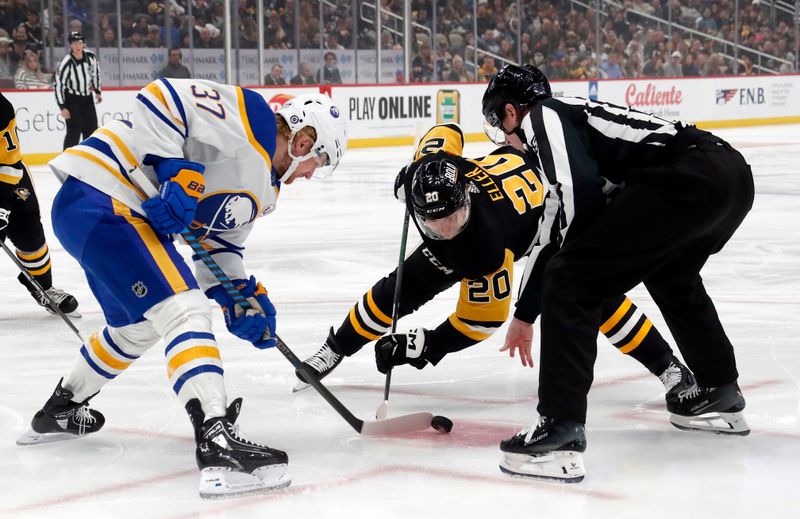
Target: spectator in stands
458 72
488 41
487 69
10 15
109 38
29 76
174 67
205 40
329 73
673 67
33 27
706 23
611 68
422 65
153 40
18 48
332 43
275 35
715 66
275 76
690 69
134 40
303 76
442 58
654 67
787 68
5 62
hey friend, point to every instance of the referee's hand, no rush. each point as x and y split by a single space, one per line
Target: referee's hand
65 113
98 98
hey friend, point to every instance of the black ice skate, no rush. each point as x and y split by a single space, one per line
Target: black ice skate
550 450
65 301
709 409
230 465
62 419
322 362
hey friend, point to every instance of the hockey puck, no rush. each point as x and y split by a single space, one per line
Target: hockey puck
442 424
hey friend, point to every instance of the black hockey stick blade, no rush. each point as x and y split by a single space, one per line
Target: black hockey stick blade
399 424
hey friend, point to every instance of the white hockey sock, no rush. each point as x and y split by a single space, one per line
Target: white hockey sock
194 366
105 355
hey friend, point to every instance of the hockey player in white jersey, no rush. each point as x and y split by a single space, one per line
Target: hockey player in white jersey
197 155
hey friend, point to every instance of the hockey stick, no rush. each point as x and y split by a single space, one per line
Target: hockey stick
405 423
38 287
383 408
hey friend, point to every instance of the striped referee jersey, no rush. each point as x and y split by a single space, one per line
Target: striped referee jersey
77 77
586 150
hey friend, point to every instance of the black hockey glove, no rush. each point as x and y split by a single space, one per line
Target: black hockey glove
4 215
402 348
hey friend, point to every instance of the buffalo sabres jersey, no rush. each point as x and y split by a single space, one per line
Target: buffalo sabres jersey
228 129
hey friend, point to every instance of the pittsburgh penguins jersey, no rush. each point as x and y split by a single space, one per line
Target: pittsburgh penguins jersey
506 198
228 129
10 154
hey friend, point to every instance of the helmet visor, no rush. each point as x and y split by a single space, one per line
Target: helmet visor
448 227
496 134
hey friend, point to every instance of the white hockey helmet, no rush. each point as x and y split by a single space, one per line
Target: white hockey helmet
319 112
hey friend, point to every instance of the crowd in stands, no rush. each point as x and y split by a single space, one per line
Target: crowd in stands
560 37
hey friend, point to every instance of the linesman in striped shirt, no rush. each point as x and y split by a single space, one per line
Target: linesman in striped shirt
630 198
77 77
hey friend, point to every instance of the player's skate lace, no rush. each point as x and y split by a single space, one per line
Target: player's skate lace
671 376
84 418
323 360
528 431
692 392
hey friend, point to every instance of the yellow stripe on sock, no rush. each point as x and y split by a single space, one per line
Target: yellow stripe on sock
33 256
197 352
359 329
385 319
638 338
103 355
618 315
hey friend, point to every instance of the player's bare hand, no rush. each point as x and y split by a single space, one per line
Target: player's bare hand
65 113
519 337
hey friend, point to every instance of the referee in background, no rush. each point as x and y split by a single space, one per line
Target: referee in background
77 76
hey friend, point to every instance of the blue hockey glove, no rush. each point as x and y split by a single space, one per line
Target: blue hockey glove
402 348
182 185
257 325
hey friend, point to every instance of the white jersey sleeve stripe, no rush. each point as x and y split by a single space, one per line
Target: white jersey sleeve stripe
562 168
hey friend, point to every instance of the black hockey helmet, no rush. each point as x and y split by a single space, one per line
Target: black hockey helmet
75 36
521 86
439 191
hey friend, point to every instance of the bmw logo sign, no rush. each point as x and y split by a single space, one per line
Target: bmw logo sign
334 112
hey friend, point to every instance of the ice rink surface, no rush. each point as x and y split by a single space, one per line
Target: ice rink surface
326 244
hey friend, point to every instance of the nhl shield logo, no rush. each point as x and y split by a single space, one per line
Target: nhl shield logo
139 289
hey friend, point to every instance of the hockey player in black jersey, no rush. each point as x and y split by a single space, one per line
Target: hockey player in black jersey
20 219
681 194
476 218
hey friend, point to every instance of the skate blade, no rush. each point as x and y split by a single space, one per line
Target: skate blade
560 466
717 423
73 314
34 438
223 483
300 386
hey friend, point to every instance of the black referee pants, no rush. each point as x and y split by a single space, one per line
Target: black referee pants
83 118
659 231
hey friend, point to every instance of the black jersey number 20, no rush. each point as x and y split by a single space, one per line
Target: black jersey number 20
495 286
